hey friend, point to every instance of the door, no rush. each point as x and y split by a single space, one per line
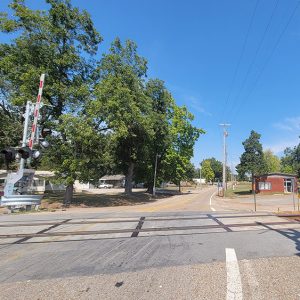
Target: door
288 185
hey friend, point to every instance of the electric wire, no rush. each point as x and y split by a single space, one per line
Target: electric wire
240 58
268 58
255 56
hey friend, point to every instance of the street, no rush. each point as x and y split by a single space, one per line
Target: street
150 254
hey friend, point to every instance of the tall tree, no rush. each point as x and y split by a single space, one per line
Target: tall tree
272 162
122 104
83 153
159 141
59 42
177 164
290 162
217 167
252 160
207 170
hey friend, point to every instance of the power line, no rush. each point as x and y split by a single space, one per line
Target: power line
240 58
255 56
270 56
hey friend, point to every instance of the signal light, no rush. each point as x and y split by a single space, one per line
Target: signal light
45 132
45 144
36 154
25 152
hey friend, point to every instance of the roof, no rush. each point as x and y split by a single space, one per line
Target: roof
113 177
277 174
38 173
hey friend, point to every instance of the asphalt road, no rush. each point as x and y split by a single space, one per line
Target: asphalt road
150 254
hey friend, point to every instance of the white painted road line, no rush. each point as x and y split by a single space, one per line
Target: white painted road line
210 201
234 283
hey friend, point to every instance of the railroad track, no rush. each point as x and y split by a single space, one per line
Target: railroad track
154 229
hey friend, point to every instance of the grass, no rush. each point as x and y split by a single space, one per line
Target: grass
100 200
241 189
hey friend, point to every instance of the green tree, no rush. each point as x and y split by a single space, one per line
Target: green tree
81 155
290 162
159 141
217 168
59 42
207 171
177 165
272 162
252 160
10 131
122 104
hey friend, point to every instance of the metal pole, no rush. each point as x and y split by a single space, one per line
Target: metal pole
298 199
25 132
225 134
200 178
253 191
293 182
154 175
224 163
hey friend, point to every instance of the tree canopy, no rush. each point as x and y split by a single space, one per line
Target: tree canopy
252 160
207 170
290 162
272 162
107 116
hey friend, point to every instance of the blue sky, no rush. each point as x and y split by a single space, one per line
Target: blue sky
202 51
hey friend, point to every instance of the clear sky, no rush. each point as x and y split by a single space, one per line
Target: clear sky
228 61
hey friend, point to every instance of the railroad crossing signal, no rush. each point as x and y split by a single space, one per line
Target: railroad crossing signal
25 152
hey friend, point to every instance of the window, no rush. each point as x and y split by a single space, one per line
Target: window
264 185
38 182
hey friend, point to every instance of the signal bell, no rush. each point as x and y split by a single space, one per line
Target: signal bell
45 132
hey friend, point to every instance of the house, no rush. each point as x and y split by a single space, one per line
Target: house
115 180
276 183
199 181
42 182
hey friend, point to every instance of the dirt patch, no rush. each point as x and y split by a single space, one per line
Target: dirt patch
84 199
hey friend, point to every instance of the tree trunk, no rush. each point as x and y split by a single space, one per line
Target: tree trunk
128 179
68 194
150 188
179 186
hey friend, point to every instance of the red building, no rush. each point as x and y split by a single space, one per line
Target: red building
276 183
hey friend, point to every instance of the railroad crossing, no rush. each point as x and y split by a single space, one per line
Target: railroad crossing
189 255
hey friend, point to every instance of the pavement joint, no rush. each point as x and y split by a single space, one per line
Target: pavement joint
138 227
219 222
41 232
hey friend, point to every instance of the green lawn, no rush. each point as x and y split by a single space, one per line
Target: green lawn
241 189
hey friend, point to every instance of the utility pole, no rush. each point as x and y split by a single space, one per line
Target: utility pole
200 176
154 180
225 134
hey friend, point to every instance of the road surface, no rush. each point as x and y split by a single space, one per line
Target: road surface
146 254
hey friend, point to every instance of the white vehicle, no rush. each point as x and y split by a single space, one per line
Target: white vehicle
105 186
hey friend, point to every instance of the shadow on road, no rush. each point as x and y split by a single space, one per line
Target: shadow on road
291 234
